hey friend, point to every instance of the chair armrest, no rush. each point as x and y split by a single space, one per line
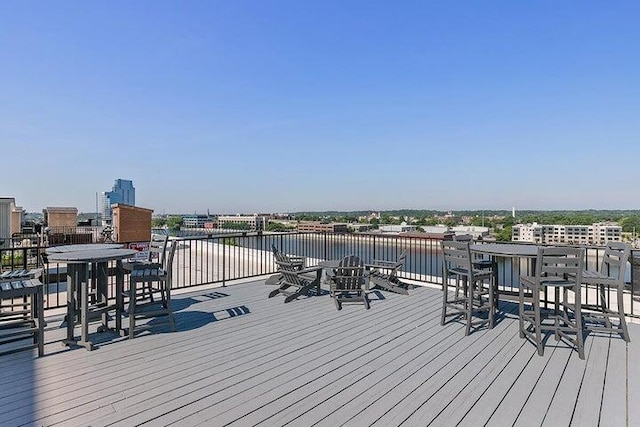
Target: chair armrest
382 264
313 269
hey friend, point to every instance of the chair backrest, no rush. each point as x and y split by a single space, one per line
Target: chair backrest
562 262
401 259
168 261
156 271
614 261
158 248
286 265
289 273
457 257
349 275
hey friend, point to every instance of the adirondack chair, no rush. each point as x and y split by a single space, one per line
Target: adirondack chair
297 262
155 278
347 283
384 274
295 281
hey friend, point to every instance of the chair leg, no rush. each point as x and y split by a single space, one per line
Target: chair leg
132 308
172 322
39 301
579 327
521 309
538 322
444 300
469 305
492 308
621 317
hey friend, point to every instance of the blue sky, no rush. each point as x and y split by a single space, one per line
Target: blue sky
277 106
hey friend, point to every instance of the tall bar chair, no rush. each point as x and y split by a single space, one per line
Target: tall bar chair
610 277
476 284
558 268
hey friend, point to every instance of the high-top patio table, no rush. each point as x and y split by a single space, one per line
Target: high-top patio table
78 260
82 247
506 250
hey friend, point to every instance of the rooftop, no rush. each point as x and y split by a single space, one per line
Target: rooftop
240 358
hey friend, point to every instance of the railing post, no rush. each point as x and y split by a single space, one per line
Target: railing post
224 264
373 255
635 277
325 256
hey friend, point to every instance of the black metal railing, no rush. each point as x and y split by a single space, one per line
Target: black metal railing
219 259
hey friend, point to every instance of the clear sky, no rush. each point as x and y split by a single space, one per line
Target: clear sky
278 106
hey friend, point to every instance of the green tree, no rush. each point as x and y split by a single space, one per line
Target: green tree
158 222
630 224
276 226
504 235
174 223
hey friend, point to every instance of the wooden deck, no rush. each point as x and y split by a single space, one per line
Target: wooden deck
240 358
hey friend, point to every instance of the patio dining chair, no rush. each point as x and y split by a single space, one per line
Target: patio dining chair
477 286
347 283
558 268
147 280
610 276
155 258
384 274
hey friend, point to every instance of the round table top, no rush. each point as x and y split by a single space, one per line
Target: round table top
82 247
506 250
92 255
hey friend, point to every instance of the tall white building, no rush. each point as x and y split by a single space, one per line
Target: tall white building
595 234
123 192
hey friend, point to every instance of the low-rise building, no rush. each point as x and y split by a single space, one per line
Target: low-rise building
61 218
595 234
131 223
322 227
11 217
472 230
195 220
400 228
255 222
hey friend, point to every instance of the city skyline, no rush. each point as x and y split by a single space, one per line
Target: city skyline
283 106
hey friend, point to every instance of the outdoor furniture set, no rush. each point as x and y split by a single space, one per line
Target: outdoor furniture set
22 294
349 279
470 290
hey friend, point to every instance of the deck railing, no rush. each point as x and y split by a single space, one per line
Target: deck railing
219 259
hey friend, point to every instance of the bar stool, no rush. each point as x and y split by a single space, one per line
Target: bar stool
24 319
597 317
476 299
559 268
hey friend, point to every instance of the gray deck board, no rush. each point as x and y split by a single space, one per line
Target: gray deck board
240 358
633 377
614 398
588 404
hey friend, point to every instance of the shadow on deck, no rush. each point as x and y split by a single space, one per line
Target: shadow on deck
240 358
